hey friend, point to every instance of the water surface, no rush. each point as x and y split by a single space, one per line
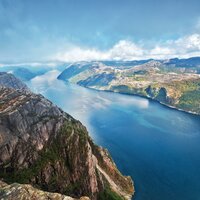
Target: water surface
157 146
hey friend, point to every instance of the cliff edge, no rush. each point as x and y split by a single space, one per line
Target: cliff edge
43 146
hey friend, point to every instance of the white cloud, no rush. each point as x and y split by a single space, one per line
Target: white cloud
80 54
48 77
186 46
189 43
31 64
161 52
42 82
125 50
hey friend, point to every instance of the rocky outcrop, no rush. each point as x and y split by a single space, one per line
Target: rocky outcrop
98 80
24 191
10 81
159 94
44 146
74 69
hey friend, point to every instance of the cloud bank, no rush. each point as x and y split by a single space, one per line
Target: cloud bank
183 47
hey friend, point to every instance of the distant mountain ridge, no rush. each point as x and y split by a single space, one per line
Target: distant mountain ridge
26 72
190 62
173 82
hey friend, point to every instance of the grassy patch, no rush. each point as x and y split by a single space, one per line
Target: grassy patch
109 194
190 101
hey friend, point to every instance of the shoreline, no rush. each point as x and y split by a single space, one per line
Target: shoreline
146 97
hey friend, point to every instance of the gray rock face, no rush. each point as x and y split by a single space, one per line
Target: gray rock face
23 191
98 80
25 118
10 81
44 146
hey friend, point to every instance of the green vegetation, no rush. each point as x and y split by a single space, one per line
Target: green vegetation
72 188
128 90
109 194
170 82
183 94
47 155
190 101
185 85
48 158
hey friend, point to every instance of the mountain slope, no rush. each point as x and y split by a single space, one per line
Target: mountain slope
24 191
44 146
10 81
175 82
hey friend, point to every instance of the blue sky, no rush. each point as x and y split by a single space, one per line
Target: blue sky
67 30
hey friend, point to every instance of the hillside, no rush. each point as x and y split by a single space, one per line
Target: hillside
171 82
43 146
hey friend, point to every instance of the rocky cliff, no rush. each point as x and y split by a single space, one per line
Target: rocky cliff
27 192
10 81
47 148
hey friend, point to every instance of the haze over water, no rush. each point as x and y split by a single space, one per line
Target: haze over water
157 146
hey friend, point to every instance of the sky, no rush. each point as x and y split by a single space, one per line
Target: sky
75 30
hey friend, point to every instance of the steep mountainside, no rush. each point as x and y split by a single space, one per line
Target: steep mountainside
10 81
170 82
23 74
47 148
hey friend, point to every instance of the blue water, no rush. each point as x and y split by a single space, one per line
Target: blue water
157 146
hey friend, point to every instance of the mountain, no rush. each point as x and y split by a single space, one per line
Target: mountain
173 82
124 64
26 72
10 81
43 146
24 191
21 72
76 68
189 62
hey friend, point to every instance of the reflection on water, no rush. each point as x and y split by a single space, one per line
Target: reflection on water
157 146
79 101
